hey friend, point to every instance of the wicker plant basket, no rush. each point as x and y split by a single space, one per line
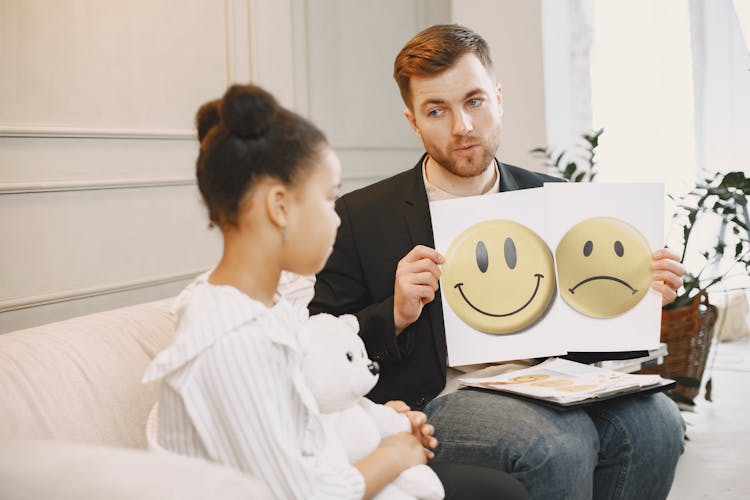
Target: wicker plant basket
688 332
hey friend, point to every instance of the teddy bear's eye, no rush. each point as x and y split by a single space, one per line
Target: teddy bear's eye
349 356
362 354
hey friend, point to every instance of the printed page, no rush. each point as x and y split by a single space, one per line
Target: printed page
564 381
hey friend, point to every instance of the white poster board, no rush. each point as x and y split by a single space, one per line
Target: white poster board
642 206
549 212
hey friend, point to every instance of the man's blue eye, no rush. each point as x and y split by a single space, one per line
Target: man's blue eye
474 102
434 113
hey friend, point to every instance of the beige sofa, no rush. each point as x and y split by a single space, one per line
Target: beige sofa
73 414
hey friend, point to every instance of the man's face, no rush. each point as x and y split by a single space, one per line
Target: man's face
457 114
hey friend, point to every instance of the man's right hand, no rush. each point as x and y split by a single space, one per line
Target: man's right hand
417 278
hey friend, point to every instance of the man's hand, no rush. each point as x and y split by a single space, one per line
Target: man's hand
419 426
668 273
417 278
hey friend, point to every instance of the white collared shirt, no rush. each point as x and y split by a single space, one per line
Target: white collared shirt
233 393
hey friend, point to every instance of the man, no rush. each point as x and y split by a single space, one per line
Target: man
384 270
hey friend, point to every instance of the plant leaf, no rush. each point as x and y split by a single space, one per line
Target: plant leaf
559 158
570 169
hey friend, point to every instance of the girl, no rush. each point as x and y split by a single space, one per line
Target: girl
232 389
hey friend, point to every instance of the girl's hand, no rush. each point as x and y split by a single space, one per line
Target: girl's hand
405 448
423 431
419 426
398 405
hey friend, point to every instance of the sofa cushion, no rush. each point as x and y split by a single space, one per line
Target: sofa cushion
34 470
80 379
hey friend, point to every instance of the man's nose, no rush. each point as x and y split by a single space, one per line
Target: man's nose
374 367
461 123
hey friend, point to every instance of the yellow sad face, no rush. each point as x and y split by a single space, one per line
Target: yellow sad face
498 276
603 267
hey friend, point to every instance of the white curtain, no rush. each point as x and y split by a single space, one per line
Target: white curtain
642 92
722 83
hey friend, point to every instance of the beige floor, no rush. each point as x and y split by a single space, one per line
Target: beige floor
716 462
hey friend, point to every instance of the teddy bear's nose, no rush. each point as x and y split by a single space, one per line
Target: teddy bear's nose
374 367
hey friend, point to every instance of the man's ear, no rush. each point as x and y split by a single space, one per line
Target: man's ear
499 93
277 204
409 115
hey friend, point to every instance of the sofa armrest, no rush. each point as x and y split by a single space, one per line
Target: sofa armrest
45 469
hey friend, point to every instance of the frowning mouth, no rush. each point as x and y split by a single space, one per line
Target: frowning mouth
610 278
536 289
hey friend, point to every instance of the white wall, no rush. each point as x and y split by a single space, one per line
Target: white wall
98 206
98 203
345 83
513 29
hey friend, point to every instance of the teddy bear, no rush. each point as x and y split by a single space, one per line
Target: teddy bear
339 374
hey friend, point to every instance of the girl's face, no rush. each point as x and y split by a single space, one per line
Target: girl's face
313 221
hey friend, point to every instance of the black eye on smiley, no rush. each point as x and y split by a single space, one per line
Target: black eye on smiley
483 257
588 249
483 263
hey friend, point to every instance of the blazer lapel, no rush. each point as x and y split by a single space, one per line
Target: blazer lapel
416 208
419 223
507 181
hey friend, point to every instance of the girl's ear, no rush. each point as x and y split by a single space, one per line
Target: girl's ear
277 205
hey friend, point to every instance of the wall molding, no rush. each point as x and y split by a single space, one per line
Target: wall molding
96 133
85 293
362 176
29 187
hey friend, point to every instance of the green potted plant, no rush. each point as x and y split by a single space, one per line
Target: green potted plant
567 166
724 195
688 323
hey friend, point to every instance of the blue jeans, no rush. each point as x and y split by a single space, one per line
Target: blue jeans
625 448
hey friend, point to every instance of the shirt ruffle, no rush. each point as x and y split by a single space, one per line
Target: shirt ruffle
206 312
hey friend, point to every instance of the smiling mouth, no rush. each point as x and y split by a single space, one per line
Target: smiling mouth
610 278
536 289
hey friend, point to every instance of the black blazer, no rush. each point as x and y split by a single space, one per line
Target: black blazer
380 224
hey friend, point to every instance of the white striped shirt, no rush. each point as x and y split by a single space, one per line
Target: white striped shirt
233 393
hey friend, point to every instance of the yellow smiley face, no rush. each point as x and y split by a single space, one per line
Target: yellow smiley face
498 276
603 267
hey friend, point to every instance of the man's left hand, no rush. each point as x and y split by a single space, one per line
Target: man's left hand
668 273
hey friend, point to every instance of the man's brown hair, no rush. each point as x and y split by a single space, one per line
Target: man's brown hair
435 49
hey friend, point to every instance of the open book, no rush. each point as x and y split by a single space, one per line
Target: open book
568 383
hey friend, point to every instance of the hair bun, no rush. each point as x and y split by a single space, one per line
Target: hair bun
207 118
247 110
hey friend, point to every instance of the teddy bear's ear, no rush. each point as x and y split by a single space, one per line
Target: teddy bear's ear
350 320
312 326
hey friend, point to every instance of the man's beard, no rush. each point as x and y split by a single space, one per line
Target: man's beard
467 167
471 166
